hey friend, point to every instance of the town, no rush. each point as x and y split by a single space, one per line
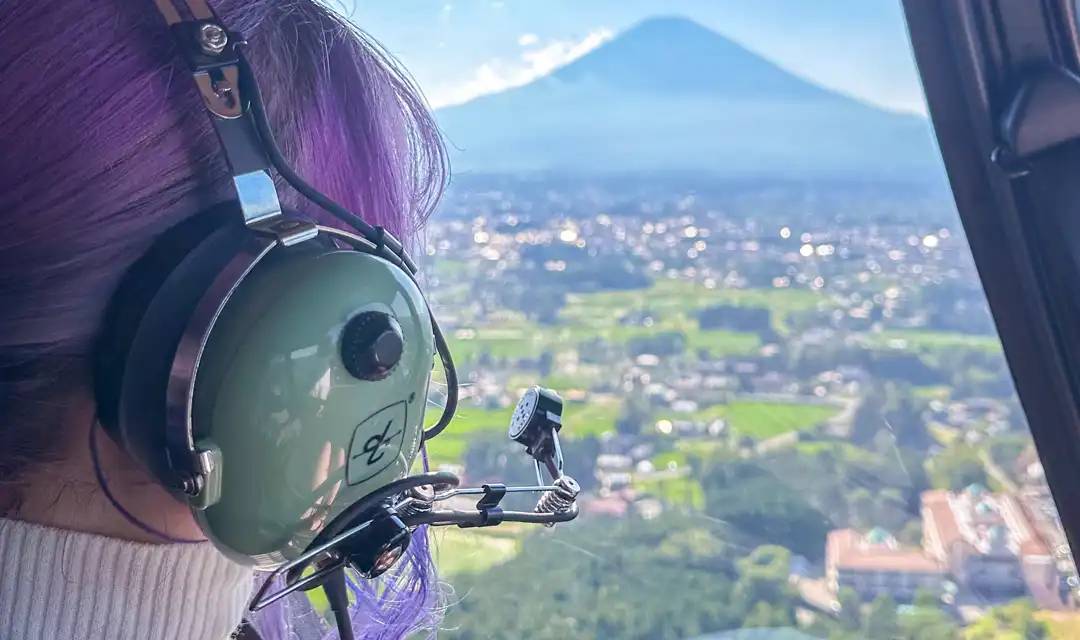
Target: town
831 385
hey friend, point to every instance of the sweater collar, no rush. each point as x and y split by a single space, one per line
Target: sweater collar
59 584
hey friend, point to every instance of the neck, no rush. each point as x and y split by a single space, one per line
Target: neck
64 492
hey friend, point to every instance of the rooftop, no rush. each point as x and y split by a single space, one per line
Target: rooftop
988 523
850 550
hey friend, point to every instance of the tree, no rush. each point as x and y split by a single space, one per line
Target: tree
1013 621
763 580
850 615
957 467
765 615
605 579
890 410
697 546
735 318
664 343
545 363
764 575
911 533
869 417
863 509
634 416
761 506
927 623
904 419
881 622
927 599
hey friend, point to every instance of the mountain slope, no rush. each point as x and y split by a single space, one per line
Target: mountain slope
669 95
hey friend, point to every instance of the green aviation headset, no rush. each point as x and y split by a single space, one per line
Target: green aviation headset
273 373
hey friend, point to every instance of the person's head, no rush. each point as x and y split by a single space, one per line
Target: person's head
106 145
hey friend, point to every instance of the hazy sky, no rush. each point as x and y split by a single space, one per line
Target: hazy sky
458 49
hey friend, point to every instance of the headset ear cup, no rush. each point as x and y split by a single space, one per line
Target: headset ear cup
140 407
145 321
131 300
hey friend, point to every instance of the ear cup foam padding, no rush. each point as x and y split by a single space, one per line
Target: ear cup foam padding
132 297
141 410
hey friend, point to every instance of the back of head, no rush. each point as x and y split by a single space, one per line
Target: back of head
106 145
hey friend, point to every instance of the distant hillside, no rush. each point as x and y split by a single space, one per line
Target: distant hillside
670 96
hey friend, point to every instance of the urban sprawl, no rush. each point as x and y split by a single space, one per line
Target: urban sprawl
817 377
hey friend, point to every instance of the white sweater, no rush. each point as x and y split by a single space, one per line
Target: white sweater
65 585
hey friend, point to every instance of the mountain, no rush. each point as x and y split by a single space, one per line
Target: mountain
670 96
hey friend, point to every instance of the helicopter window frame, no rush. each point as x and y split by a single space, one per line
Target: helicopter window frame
1019 214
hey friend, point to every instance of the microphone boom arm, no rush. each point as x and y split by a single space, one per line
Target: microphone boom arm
410 502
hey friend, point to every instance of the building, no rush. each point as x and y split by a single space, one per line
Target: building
1039 505
875 564
988 544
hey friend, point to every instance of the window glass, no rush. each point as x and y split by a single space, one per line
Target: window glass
725 238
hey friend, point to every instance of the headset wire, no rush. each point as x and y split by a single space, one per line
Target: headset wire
386 245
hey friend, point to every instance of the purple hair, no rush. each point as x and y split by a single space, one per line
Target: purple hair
106 145
405 600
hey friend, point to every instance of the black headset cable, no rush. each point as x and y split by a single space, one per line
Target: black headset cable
376 235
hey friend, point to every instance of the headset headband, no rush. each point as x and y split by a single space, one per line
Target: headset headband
232 98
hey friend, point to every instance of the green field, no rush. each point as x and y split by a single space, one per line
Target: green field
680 295
662 460
839 449
594 418
761 420
472 419
507 337
459 551
921 341
579 420
677 490
672 304
584 377
515 338
764 420
702 447
448 448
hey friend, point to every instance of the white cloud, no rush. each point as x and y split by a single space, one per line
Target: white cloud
555 54
498 74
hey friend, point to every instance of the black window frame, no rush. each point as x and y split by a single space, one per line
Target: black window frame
1013 162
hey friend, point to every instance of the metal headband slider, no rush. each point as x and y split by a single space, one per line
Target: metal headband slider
210 51
220 91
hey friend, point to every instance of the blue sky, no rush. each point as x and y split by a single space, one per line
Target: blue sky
458 49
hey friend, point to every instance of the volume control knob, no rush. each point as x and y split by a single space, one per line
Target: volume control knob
371 345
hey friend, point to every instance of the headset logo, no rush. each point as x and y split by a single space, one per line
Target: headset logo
376 442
